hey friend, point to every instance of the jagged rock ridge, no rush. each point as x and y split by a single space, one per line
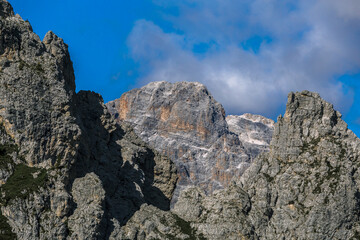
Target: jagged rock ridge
68 171
183 121
305 187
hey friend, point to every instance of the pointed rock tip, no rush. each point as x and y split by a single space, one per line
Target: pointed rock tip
309 105
50 36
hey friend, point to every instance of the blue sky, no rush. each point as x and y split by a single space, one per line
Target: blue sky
249 53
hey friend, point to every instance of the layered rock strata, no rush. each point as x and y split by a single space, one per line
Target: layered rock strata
254 132
183 121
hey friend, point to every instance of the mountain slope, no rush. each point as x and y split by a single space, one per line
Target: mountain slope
183 121
254 132
305 187
67 170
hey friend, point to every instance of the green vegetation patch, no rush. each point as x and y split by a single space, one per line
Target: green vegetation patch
37 67
268 178
22 182
187 229
5 150
310 146
5 229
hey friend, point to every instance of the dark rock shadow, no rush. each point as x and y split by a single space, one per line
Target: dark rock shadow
101 152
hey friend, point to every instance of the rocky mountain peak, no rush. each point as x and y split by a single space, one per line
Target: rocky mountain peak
308 189
308 179
175 106
183 121
309 107
308 118
37 86
67 169
255 118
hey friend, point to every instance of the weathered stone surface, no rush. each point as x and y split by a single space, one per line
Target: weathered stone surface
152 223
89 195
130 172
183 121
37 85
307 186
222 215
68 171
254 132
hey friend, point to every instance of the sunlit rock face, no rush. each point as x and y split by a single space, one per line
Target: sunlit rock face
68 170
307 185
254 132
183 121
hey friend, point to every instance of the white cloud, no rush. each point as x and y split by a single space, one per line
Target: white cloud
313 43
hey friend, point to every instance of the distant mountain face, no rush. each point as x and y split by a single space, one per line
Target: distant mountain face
183 121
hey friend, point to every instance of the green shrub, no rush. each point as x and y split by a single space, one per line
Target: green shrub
22 182
5 150
5 229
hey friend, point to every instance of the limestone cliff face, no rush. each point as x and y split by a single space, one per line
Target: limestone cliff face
37 86
67 170
254 132
306 187
183 121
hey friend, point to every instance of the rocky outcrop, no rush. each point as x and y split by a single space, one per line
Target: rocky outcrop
152 223
254 132
307 186
85 222
37 89
222 215
67 170
183 121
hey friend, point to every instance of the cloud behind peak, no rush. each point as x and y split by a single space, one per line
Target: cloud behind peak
251 54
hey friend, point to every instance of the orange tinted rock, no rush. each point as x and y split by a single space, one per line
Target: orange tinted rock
186 123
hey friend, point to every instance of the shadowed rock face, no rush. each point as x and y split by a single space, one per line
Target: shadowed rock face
67 170
183 121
